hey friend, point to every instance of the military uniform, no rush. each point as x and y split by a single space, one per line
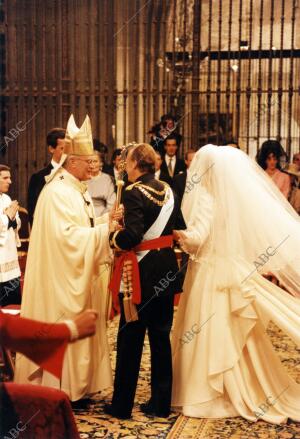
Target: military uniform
160 279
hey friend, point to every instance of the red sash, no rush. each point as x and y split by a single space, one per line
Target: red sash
152 244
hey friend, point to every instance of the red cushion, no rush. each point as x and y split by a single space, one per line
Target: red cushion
38 412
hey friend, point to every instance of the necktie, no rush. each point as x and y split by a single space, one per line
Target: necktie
170 169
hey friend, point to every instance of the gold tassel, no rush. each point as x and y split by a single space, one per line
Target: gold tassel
130 310
126 305
133 310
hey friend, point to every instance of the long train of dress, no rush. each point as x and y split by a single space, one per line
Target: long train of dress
224 362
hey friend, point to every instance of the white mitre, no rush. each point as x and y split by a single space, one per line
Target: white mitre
78 141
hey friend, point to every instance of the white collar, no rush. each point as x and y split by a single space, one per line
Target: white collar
168 157
55 164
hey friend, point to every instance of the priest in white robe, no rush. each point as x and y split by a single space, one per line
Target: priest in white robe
67 247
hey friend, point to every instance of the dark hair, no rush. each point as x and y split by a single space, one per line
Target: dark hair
115 154
99 146
270 147
4 168
144 155
172 136
232 141
165 117
213 140
54 135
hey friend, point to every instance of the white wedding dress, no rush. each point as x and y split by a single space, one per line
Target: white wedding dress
224 363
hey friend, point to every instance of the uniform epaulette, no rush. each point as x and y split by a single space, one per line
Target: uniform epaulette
164 183
131 186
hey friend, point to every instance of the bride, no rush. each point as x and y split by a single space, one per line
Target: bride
239 226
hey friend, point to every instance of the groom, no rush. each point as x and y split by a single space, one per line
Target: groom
151 214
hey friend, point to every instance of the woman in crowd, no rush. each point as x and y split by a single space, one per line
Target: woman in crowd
294 171
269 157
102 191
101 188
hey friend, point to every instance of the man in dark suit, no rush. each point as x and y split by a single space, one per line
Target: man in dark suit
56 143
171 164
166 127
151 214
113 169
179 180
159 175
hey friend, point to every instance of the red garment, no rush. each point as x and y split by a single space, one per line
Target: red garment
29 411
43 343
152 244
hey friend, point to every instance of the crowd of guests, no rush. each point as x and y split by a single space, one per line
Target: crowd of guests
169 167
